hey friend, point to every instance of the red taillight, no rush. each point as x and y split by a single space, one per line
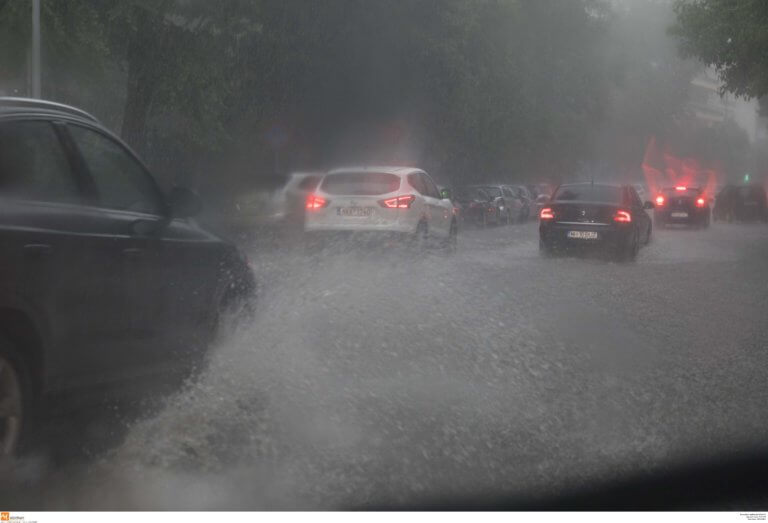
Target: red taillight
547 214
315 202
401 202
659 200
700 202
622 217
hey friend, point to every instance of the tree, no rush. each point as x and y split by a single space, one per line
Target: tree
732 36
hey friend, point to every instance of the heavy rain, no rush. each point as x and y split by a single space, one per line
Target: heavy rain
378 254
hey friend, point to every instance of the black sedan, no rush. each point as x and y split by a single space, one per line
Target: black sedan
741 202
682 205
595 215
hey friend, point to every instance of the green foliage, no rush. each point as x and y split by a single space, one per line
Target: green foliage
732 36
470 89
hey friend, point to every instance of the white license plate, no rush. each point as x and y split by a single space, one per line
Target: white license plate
354 211
679 215
583 235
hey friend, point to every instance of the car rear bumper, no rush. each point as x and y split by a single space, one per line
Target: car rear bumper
667 216
608 236
347 228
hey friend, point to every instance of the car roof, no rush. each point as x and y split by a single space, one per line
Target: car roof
11 106
601 184
386 169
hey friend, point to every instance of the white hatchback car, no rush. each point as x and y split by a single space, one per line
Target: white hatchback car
400 200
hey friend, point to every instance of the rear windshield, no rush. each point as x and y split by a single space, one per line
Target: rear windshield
494 192
671 191
360 184
751 192
589 193
470 193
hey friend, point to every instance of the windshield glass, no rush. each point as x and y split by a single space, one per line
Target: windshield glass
471 193
360 184
588 193
229 279
689 192
493 192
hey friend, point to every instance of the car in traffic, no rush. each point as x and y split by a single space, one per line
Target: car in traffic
476 206
506 203
595 215
682 205
290 200
540 194
741 203
105 284
527 203
400 202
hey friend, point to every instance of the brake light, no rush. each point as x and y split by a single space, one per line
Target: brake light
315 202
700 202
659 200
401 202
622 217
547 214
681 188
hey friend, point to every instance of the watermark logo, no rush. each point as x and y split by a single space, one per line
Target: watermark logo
5 516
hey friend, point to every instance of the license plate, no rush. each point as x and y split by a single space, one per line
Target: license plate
583 235
354 211
679 215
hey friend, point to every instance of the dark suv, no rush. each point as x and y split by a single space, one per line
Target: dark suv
103 279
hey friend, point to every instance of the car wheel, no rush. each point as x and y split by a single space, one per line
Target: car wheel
545 249
628 251
14 399
451 243
635 247
419 238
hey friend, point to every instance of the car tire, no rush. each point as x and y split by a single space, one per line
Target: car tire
451 243
420 237
16 400
627 252
545 249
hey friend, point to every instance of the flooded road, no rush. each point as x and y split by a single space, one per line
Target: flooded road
371 377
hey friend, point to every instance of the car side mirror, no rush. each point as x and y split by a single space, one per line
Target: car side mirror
649 205
445 194
184 203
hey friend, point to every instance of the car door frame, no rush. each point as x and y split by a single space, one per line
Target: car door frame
439 210
134 244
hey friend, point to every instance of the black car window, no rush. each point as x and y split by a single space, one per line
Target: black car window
507 192
431 187
417 182
635 198
33 164
360 184
494 192
309 183
589 193
121 181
